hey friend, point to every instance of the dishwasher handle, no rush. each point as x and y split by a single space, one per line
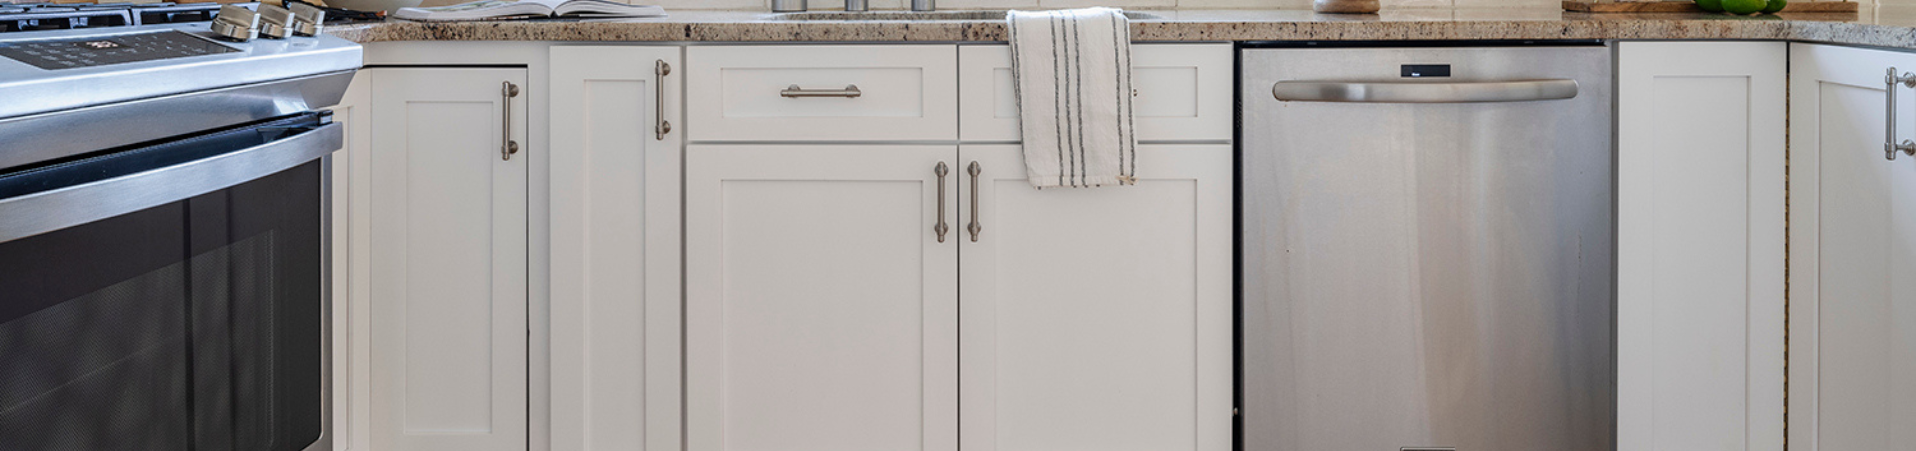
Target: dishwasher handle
1418 92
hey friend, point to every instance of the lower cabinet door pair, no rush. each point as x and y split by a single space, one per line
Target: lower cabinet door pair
823 311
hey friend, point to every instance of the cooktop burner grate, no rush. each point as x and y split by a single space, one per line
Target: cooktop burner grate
49 16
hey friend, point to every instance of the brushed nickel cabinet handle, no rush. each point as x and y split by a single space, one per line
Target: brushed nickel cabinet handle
1890 146
974 228
1393 92
507 91
941 228
793 91
662 69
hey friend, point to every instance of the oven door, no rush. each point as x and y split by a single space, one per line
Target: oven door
169 296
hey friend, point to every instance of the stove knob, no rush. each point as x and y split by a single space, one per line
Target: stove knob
275 21
236 23
307 19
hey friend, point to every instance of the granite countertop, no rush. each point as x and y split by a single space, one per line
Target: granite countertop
1870 29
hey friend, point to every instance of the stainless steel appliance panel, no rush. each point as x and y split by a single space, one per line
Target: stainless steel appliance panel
1427 275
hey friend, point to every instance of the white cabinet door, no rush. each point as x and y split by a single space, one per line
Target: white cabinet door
615 248
821 305
1700 245
1852 253
448 261
1097 318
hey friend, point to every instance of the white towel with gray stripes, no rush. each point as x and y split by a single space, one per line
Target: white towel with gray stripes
1072 70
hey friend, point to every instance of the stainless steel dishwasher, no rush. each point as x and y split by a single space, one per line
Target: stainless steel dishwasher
1427 241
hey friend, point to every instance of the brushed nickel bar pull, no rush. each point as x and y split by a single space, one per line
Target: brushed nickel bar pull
974 228
1417 92
507 91
793 91
664 126
1890 146
941 228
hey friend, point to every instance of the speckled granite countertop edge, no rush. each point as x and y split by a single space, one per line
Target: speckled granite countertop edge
1218 26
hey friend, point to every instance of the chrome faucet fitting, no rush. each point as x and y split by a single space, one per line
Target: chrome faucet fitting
924 5
788 6
857 5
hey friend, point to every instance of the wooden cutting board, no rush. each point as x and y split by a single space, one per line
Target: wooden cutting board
1687 6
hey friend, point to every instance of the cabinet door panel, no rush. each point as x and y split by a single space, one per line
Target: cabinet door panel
448 263
1098 318
820 305
615 249
1852 249
1700 229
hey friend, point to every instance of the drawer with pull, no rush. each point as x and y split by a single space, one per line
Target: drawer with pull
1182 92
822 93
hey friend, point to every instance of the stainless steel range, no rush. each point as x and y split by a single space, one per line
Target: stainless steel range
163 217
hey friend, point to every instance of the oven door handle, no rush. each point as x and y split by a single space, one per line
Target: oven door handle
1420 92
47 211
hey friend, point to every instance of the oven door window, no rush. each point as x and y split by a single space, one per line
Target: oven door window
191 325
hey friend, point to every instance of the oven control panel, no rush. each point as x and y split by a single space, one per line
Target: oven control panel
72 53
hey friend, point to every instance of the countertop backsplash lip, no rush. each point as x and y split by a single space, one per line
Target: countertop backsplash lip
1872 28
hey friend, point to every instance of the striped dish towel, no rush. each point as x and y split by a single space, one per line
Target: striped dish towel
1073 77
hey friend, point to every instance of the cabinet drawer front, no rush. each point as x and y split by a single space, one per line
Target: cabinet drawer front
1183 92
746 93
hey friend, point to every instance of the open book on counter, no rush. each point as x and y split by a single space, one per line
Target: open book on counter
516 9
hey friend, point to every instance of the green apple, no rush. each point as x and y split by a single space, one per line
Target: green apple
1744 6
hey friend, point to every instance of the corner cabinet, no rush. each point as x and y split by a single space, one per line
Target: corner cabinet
1852 250
447 267
1722 233
1700 223
615 247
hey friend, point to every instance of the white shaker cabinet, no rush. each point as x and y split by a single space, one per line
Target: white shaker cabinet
615 303
1096 318
1700 233
837 297
1852 242
821 302
447 267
